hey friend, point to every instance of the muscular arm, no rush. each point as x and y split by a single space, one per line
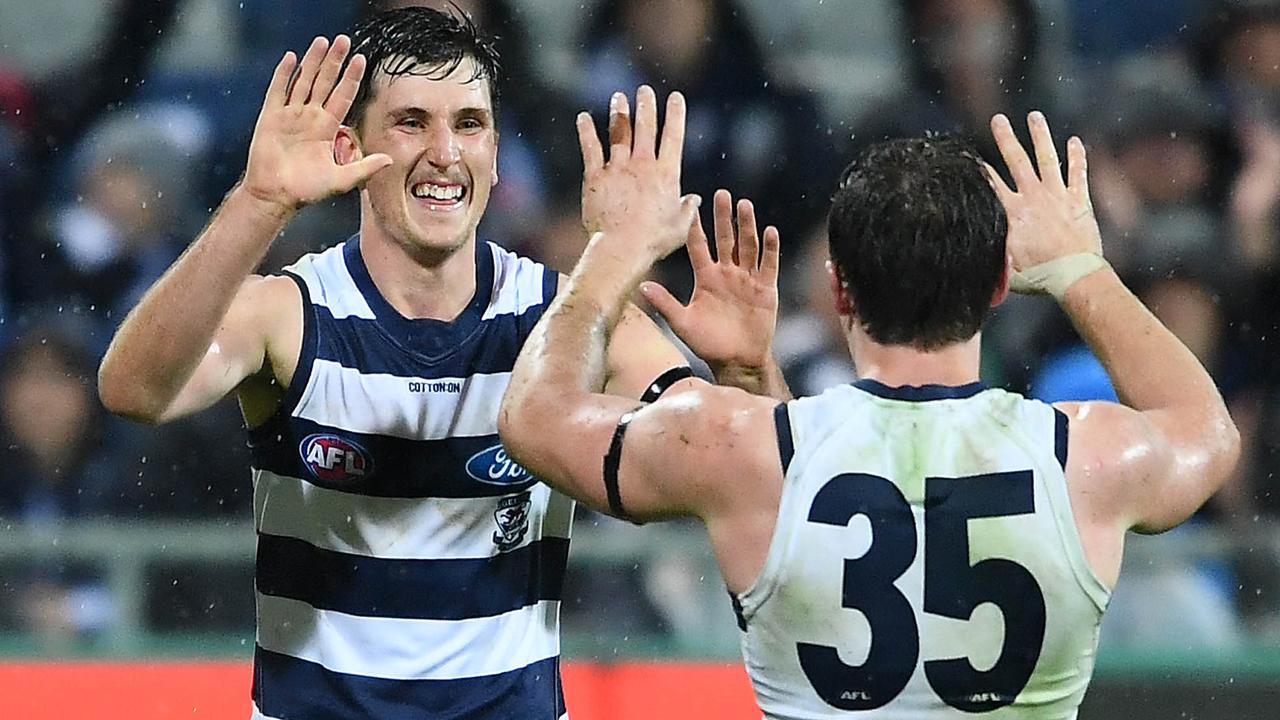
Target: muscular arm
203 327
1150 463
1174 444
637 353
206 326
555 421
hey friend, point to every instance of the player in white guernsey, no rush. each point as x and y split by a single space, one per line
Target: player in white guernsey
914 545
406 566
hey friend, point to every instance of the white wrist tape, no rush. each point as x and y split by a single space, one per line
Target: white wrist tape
1054 277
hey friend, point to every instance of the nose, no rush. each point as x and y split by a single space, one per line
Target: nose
442 146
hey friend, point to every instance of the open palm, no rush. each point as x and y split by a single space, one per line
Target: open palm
732 314
291 160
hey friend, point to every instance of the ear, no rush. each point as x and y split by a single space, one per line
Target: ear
1002 285
494 181
844 307
346 146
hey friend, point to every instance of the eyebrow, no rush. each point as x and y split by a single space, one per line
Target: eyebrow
414 111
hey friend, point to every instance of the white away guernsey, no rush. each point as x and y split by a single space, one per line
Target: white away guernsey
926 563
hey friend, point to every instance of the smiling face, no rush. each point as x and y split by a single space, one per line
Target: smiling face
443 142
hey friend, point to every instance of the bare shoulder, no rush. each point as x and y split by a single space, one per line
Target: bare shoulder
716 409
715 436
1113 455
268 309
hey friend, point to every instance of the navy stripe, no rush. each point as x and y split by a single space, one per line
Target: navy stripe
293 689
1060 437
367 346
394 467
550 285
424 332
306 353
737 611
441 589
921 393
786 446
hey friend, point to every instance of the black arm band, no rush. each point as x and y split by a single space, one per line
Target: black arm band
611 462
664 382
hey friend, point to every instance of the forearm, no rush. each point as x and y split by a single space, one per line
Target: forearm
1152 371
562 363
766 381
161 342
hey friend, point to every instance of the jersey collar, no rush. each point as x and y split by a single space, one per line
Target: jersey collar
920 393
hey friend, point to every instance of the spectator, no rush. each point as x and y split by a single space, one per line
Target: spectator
60 467
133 207
969 59
1158 161
745 131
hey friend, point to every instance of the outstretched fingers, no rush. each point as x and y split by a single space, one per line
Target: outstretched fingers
353 174
589 141
278 89
330 67
671 151
1003 191
1015 157
722 218
772 250
339 102
1077 168
699 250
645 142
748 254
300 89
619 129
1046 154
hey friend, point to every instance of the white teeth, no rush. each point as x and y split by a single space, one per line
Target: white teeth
437 192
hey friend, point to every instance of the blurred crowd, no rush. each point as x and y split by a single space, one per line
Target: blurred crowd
111 162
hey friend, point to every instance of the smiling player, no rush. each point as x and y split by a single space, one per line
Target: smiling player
406 566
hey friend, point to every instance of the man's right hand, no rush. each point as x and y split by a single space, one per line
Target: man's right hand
1048 219
291 158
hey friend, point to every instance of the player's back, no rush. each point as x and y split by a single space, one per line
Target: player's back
406 567
925 564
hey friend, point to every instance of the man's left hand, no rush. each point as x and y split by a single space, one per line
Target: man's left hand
730 319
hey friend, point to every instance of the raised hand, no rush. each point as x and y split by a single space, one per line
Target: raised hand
635 195
291 158
732 314
1048 219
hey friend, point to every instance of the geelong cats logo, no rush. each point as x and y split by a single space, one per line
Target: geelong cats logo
335 459
512 517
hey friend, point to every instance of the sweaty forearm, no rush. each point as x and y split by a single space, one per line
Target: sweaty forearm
159 345
766 381
1150 368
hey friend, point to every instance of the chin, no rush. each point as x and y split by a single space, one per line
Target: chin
438 240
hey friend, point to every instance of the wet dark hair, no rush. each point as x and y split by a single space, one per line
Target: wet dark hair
420 41
917 235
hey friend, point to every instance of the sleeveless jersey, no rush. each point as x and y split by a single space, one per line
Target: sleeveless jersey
406 567
925 563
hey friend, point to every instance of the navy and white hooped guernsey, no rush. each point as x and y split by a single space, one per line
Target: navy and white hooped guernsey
406 567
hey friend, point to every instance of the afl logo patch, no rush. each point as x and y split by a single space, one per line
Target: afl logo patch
335 459
493 466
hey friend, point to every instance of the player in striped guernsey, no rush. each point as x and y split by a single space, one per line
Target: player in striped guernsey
914 545
406 566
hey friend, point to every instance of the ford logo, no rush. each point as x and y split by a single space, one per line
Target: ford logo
493 466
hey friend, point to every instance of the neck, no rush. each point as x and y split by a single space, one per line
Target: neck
899 365
420 283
